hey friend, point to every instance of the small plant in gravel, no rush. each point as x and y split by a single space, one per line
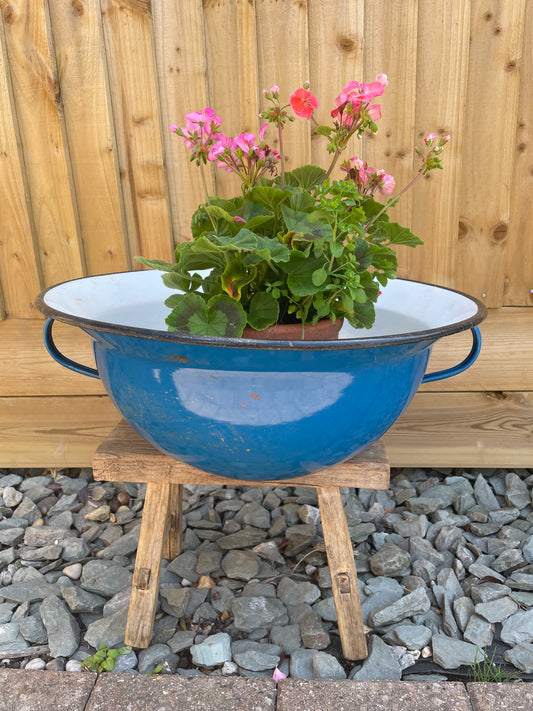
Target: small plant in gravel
488 670
104 659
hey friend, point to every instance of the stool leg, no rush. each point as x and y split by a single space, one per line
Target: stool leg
173 540
145 586
343 573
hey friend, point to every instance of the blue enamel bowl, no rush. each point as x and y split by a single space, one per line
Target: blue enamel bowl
254 409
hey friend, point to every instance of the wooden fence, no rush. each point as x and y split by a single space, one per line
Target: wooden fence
91 176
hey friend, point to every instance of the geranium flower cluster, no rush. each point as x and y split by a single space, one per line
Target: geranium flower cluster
368 179
246 155
250 157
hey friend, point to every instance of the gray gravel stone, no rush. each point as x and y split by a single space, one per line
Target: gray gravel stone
10 637
181 640
33 630
299 537
496 610
252 613
105 578
157 654
29 591
414 603
11 496
301 664
516 491
484 592
521 656
452 653
214 651
463 609
241 565
380 665
314 634
326 609
293 593
420 548
221 598
326 666
185 566
62 629
124 662
390 560
11 536
484 494
107 630
479 631
257 660
125 545
246 538
409 635
286 637
518 628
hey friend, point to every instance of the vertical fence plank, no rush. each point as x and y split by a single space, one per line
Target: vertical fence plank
492 103
283 57
442 61
130 64
335 58
391 48
77 39
39 111
19 269
179 40
232 73
519 262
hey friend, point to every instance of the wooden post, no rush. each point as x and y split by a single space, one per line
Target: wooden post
173 539
145 586
343 573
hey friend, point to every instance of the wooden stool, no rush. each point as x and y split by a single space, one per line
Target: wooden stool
125 456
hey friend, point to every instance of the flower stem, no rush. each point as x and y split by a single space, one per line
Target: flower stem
213 223
280 134
394 199
333 162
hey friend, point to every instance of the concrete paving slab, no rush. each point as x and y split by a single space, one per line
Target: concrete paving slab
33 690
501 697
127 692
305 695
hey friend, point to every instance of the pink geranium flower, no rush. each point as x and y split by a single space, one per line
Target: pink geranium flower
368 179
303 103
278 675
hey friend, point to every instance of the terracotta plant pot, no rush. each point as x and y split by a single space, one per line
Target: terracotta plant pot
323 330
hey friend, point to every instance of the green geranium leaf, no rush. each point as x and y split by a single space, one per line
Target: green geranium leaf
302 201
319 276
185 306
270 197
233 313
156 264
300 270
235 276
266 247
307 176
220 316
397 234
336 249
263 311
306 224
175 281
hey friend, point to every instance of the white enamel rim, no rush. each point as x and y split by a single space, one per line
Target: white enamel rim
427 312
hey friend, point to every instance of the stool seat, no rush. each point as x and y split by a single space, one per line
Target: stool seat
125 456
